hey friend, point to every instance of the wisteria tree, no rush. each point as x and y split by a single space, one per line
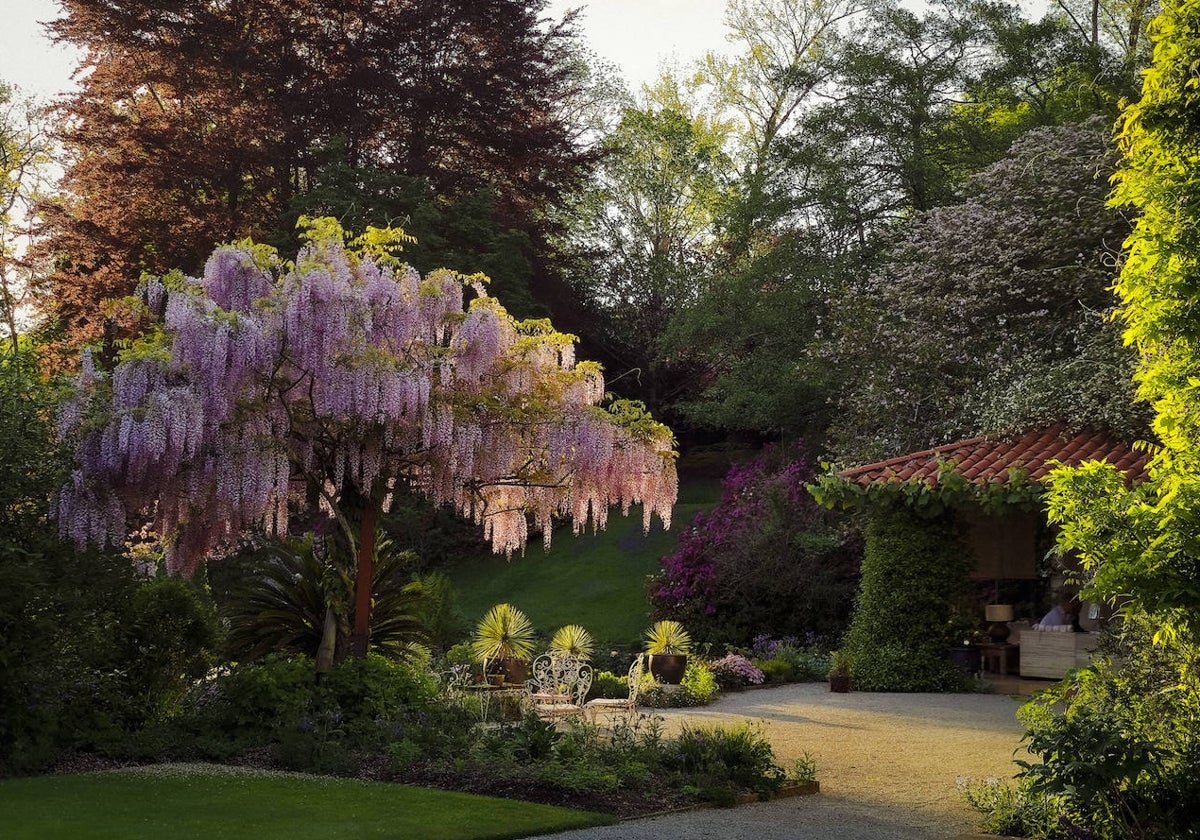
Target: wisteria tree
265 382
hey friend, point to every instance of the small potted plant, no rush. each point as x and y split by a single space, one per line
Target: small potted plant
505 636
668 646
839 672
572 640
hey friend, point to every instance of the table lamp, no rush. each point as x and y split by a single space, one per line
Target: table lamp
999 615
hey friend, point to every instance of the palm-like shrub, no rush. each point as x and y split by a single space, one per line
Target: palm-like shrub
668 637
573 640
299 582
503 633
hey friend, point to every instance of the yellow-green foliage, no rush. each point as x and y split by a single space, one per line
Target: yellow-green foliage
1144 545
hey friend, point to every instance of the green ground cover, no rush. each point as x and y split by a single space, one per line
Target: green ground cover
200 802
597 580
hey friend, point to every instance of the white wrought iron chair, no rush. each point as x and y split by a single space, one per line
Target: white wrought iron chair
558 686
620 705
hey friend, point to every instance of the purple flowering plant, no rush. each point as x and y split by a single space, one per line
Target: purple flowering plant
736 671
766 558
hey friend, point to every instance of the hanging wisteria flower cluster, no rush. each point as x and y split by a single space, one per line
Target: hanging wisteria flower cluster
350 369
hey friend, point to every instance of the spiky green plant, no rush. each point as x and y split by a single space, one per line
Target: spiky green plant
668 637
574 640
283 605
504 633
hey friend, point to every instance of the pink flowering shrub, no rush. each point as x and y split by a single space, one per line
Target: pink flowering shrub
735 671
766 559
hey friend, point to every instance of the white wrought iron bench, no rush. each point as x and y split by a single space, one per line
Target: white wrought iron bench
625 705
558 686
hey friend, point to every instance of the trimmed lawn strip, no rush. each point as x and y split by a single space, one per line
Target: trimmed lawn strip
203 802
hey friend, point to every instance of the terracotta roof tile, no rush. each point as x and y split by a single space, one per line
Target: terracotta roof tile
988 458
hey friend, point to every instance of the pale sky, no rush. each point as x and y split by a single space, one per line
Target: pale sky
638 35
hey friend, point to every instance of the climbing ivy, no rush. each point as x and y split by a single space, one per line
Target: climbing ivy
949 491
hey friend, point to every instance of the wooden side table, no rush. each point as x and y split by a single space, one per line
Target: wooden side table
1000 659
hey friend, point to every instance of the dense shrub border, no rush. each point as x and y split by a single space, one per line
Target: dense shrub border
384 720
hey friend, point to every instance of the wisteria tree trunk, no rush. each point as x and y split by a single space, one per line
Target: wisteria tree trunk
364 578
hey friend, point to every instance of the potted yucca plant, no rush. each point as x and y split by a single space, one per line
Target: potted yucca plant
668 645
505 636
572 640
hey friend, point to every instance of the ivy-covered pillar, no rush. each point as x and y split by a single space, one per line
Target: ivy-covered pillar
914 571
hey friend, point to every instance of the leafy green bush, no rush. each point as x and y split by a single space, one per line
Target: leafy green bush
914 572
726 761
1012 811
697 688
280 695
376 687
607 685
460 654
1119 742
89 651
171 637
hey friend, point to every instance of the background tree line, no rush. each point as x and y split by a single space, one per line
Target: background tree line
760 244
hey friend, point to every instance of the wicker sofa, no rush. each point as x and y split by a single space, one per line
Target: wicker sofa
1049 654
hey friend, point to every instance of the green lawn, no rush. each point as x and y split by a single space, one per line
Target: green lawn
202 802
594 580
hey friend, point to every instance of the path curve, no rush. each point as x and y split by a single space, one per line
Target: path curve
888 765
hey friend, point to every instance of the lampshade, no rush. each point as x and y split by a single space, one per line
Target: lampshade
998 612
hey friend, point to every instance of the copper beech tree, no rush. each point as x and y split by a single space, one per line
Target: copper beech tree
346 372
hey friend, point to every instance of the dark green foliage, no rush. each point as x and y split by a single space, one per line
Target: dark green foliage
442 620
463 233
607 685
89 651
279 600
1119 742
436 534
322 725
707 763
725 762
914 571
169 639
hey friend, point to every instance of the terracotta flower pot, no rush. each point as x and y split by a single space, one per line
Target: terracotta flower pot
668 667
516 671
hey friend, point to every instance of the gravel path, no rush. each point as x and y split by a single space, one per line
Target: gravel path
887 763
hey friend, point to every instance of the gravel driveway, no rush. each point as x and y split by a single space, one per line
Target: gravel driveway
887 763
